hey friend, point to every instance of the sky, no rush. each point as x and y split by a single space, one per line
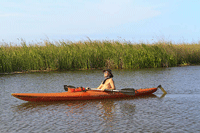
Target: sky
77 20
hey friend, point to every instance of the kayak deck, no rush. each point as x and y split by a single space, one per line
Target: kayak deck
71 96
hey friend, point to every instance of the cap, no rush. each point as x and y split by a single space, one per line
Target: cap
110 71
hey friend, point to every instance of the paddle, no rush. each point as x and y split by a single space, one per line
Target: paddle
126 91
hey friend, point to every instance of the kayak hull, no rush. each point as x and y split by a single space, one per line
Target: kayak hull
72 96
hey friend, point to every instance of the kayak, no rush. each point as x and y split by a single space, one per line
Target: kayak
81 95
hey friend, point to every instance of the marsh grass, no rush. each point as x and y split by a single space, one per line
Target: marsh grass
63 55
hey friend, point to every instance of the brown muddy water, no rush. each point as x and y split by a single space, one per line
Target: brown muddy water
178 111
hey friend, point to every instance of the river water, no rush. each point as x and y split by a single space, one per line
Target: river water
178 111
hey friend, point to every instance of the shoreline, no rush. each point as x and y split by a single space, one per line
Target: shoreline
48 71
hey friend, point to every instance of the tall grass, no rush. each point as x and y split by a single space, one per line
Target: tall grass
95 54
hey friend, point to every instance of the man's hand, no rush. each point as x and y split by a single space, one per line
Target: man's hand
103 89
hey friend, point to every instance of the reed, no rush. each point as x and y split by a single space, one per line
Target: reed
96 54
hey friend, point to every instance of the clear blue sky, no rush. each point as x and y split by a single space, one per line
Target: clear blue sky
74 20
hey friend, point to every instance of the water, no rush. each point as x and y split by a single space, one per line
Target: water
178 111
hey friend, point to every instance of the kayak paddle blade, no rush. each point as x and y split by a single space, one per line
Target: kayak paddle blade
128 91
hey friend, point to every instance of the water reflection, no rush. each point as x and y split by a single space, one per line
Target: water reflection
127 108
107 106
33 105
163 95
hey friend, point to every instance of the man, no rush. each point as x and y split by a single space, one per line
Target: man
108 82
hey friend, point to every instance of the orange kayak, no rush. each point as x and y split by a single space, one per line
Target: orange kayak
82 95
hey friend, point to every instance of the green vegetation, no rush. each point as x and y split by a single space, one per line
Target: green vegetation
95 54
